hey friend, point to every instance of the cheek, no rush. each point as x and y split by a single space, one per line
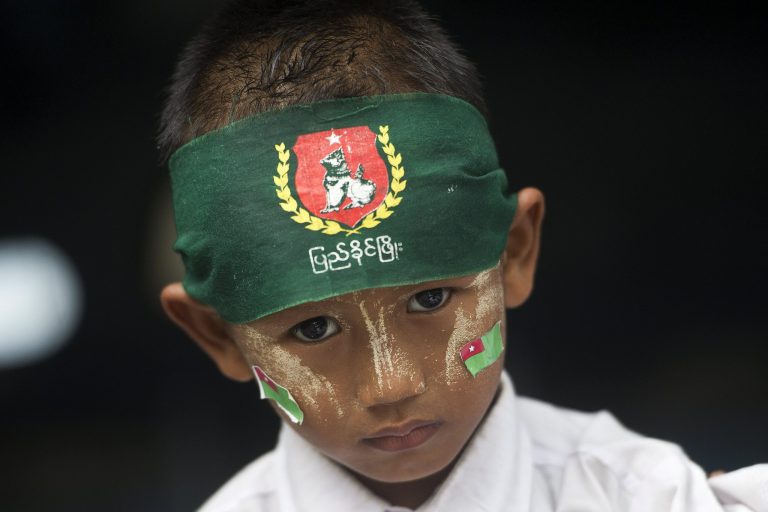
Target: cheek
490 296
471 321
314 393
463 330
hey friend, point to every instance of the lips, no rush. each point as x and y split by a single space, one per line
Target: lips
403 436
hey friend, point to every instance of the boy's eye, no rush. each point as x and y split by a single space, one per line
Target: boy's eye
429 299
316 329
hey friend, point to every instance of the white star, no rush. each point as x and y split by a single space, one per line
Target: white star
471 348
333 139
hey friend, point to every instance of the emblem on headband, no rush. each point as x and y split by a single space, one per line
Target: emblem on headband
341 180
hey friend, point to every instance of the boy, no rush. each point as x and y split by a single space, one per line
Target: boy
350 245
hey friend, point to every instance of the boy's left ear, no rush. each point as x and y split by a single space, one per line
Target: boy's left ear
518 262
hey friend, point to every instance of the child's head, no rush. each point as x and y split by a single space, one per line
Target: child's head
359 351
262 55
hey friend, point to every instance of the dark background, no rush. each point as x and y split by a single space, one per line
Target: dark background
645 125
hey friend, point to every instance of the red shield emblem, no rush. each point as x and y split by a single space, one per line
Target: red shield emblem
340 175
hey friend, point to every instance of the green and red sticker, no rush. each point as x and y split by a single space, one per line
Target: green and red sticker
270 390
482 352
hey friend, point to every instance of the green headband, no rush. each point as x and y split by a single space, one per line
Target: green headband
315 201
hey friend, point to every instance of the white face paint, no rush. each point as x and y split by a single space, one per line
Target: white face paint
307 386
490 294
462 331
389 361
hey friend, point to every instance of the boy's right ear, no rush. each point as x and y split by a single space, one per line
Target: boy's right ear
522 251
204 325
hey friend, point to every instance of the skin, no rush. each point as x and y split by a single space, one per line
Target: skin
403 361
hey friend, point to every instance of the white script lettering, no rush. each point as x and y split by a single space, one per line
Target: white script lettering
344 255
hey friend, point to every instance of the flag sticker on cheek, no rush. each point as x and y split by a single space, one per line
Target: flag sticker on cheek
482 352
270 390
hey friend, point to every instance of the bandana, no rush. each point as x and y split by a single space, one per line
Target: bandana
314 201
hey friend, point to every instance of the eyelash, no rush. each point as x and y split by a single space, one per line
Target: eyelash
332 326
414 306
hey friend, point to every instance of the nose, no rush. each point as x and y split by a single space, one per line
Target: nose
394 387
388 374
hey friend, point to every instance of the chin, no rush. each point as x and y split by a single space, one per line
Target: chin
406 469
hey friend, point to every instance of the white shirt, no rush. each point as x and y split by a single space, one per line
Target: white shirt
526 456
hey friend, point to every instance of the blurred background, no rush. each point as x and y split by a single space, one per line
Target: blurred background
644 124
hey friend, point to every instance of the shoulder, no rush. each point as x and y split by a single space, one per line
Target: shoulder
592 456
253 488
559 434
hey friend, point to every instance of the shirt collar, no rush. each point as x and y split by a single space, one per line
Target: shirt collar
493 473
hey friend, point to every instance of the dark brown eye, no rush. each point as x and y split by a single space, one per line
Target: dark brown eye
429 300
316 329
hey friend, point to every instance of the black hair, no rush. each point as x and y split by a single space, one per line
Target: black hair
259 55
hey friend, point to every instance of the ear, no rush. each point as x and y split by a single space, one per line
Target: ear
522 251
204 325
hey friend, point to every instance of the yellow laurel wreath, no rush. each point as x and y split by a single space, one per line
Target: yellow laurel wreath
330 227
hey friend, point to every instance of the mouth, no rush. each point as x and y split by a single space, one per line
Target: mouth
403 436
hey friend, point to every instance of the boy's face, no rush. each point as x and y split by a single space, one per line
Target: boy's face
378 372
